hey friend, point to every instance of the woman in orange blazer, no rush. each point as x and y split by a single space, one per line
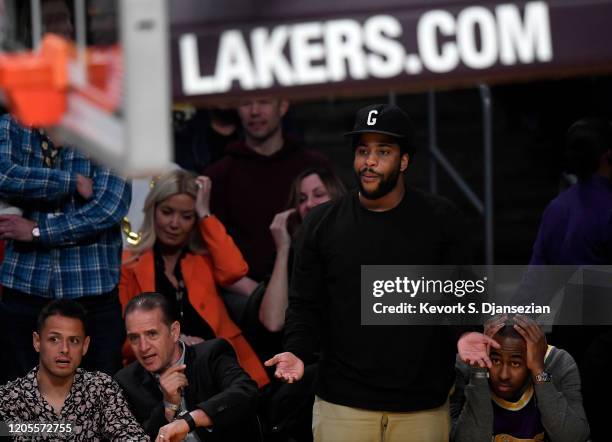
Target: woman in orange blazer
183 253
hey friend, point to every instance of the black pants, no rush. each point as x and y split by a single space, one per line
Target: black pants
18 315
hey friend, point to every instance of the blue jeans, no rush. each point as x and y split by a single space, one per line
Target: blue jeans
19 312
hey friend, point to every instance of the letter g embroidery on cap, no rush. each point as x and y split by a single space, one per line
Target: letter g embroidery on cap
371 119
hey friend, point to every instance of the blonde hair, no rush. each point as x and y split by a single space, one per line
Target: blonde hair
172 183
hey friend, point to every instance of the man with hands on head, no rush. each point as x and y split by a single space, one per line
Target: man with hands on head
178 391
531 391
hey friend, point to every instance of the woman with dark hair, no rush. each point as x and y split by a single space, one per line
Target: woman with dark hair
312 187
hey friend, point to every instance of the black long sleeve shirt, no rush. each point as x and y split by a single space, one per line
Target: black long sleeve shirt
392 368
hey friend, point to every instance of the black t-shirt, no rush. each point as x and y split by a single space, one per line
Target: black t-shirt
394 368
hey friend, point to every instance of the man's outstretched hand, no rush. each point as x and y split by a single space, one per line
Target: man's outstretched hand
289 367
474 349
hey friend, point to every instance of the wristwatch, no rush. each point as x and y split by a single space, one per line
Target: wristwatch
35 233
479 373
542 377
187 417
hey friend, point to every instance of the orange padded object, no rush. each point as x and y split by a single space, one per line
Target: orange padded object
35 84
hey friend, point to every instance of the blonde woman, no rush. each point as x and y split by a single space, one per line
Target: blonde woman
184 252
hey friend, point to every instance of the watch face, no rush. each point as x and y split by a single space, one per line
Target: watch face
543 377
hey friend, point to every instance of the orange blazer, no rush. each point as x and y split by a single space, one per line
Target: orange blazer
201 273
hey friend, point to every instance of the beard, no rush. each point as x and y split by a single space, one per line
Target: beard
385 185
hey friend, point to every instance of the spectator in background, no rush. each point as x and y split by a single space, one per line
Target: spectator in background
56 17
576 226
65 401
531 392
201 139
576 229
176 389
183 254
67 244
312 187
251 183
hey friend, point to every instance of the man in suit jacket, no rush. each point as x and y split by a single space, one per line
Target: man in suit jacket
177 391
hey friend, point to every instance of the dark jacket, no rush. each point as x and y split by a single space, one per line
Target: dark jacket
371 367
217 385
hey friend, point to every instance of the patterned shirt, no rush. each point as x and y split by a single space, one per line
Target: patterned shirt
79 251
95 409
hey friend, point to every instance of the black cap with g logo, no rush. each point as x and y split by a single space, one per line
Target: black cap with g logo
385 119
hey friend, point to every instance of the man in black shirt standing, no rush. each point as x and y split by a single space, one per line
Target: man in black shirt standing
379 382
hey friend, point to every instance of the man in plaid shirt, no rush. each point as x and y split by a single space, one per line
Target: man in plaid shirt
67 244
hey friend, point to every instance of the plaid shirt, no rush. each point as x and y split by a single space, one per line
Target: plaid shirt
79 251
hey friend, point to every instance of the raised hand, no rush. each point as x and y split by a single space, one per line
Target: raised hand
202 204
289 367
279 231
535 340
474 349
172 381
